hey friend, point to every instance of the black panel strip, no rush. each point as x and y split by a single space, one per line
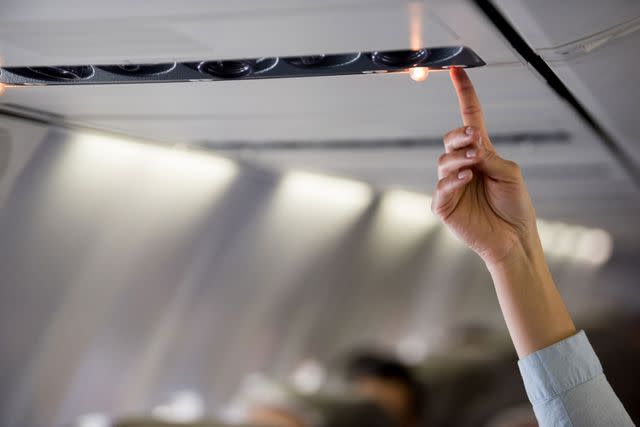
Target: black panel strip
246 69
535 138
539 64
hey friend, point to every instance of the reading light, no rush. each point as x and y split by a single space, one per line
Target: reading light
249 68
419 74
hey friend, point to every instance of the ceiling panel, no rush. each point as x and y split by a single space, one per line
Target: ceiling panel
595 53
43 33
547 23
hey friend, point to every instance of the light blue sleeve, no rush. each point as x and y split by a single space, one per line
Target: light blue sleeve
567 387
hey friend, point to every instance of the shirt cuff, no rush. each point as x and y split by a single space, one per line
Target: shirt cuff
558 368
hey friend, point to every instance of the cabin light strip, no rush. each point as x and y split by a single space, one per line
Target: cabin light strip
375 62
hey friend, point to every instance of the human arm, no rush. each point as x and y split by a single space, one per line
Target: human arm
482 198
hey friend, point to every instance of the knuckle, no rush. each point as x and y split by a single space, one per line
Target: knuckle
514 168
452 134
471 110
442 158
437 210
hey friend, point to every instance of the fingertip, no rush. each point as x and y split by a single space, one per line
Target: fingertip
458 73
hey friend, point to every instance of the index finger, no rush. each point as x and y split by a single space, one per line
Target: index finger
468 99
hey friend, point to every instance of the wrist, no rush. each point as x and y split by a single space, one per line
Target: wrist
533 309
526 253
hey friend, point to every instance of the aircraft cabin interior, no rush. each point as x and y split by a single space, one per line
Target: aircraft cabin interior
319 213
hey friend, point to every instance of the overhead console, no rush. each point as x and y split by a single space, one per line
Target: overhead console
255 68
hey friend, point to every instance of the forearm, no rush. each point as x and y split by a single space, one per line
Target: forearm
531 304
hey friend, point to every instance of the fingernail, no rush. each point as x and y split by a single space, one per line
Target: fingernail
471 153
468 130
463 174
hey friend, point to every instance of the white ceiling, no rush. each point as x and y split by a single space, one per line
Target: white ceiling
69 32
579 181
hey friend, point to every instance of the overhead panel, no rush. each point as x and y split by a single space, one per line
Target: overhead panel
423 59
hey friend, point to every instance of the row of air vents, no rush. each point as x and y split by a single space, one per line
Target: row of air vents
267 67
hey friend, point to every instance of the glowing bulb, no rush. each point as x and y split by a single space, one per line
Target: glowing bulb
419 74
2 87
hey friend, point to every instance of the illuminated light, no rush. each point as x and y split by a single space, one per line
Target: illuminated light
192 171
93 159
325 190
2 88
184 407
196 167
548 235
93 420
566 241
412 349
409 208
309 377
595 247
419 74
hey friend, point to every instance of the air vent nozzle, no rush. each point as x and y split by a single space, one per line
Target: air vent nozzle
227 69
62 73
400 58
140 70
323 61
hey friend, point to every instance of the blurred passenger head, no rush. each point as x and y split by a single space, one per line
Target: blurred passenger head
389 383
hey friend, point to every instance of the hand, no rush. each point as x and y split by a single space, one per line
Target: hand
481 197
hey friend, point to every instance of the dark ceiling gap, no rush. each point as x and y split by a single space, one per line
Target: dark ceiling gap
533 138
539 64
